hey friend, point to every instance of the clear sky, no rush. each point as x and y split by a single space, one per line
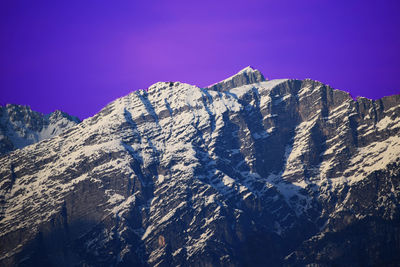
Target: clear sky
78 56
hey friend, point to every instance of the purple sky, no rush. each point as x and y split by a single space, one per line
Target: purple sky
78 56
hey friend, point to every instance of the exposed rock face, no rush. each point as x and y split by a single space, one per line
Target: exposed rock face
279 172
247 75
20 126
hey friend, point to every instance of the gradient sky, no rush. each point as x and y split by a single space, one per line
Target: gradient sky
78 56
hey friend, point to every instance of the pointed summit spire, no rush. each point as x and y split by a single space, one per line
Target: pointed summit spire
245 76
247 69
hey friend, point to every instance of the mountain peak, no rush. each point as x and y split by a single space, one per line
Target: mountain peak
59 115
21 126
247 70
245 76
282 171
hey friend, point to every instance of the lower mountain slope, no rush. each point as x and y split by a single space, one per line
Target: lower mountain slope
271 173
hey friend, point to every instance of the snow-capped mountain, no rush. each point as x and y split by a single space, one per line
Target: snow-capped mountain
20 126
246 172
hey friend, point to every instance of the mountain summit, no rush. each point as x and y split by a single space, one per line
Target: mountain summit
246 172
247 75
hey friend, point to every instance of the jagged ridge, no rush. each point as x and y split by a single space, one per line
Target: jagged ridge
20 126
179 175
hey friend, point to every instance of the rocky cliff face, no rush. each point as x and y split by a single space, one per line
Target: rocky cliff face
20 126
270 173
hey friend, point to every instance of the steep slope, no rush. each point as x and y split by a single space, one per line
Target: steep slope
20 126
267 173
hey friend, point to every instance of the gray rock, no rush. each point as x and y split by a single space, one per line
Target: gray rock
278 172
